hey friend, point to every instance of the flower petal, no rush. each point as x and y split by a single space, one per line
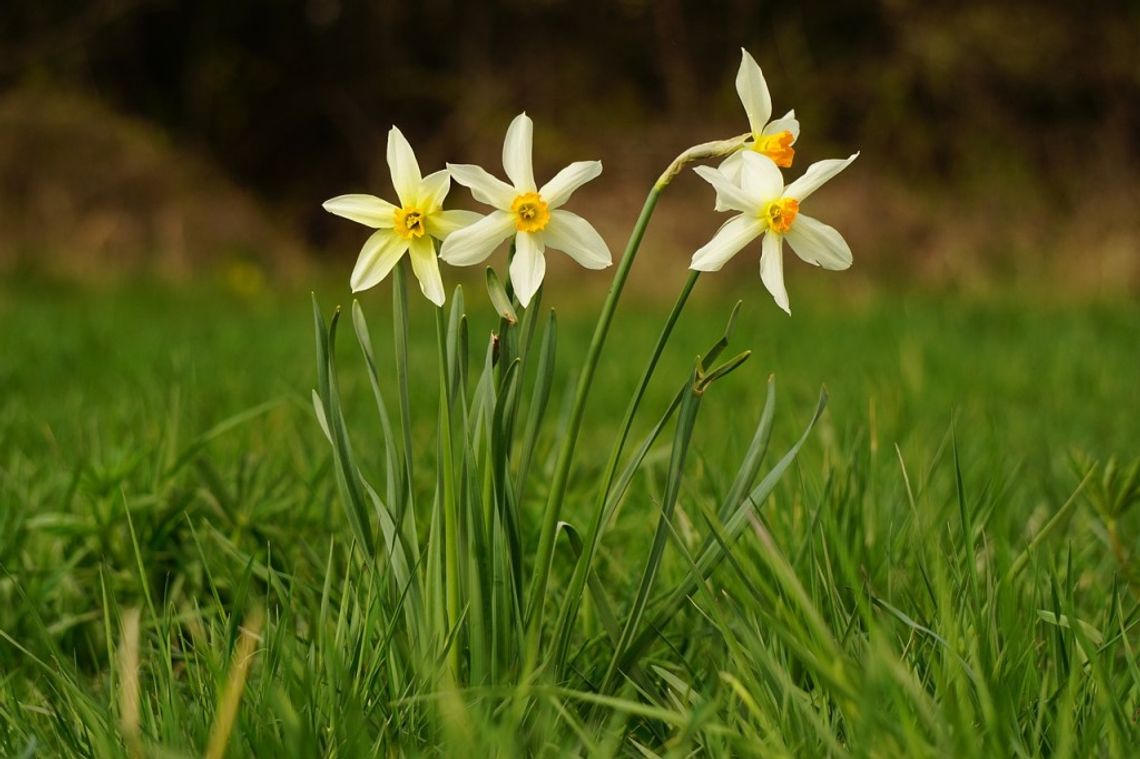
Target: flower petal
760 178
432 190
731 168
442 223
772 270
486 188
380 253
405 169
559 189
528 267
786 123
729 240
368 210
753 92
729 196
426 268
518 151
577 238
816 174
819 244
474 243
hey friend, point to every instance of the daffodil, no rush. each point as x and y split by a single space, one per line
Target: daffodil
768 208
531 214
769 138
411 227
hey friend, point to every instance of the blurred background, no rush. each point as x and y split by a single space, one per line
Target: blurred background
1000 141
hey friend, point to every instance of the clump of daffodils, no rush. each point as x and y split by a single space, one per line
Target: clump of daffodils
468 597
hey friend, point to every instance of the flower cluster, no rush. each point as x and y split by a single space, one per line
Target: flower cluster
748 181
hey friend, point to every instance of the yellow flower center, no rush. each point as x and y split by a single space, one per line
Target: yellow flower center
776 146
531 212
410 223
780 214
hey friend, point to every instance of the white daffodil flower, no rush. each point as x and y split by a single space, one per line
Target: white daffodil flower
770 138
408 227
532 214
768 208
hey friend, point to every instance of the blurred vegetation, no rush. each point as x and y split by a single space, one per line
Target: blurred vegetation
999 139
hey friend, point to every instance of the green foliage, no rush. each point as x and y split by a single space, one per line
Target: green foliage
910 587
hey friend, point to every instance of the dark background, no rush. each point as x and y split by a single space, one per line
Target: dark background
1000 141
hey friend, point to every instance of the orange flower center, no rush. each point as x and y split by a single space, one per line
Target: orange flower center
531 212
780 214
410 223
776 146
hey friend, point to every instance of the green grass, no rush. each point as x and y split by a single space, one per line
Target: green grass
922 582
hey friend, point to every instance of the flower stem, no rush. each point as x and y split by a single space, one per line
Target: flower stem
447 485
545 553
594 531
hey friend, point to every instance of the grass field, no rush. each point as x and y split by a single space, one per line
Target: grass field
929 578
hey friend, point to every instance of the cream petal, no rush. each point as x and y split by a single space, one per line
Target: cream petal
432 191
772 270
368 210
815 176
380 253
577 238
729 196
518 151
760 178
819 244
472 244
528 267
484 187
753 92
729 240
563 184
405 169
442 223
426 268
731 168
786 123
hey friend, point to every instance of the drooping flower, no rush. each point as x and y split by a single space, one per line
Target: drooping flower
533 215
770 138
409 227
768 208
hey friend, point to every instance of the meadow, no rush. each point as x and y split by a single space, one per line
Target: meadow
948 568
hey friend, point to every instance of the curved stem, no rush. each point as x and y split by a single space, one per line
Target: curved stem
545 553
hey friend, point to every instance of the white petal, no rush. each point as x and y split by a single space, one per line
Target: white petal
380 253
559 189
426 268
786 123
474 243
731 168
753 92
486 188
432 190
405 169
577 238
528 267
819 244
729 196
772 270
729 240
816 174
363 209
517 153
760 178
442 223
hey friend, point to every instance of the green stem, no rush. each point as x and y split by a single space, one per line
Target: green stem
545 554
594 531
447 476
